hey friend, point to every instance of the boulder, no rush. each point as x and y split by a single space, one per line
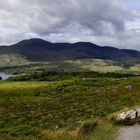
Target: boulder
129 114
128 87
129 117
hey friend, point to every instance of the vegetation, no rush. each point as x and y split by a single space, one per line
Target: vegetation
65 106
15 64
58 76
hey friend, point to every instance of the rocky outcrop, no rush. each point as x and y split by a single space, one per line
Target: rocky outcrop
129 117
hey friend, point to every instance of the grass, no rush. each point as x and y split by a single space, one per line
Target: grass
40 110
104 132
12 60
101 65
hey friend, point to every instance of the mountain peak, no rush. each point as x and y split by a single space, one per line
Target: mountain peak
32 42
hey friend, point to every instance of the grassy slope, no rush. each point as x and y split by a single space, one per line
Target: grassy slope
101 65
18 63
32 110
12 60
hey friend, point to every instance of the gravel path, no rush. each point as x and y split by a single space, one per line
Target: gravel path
129 133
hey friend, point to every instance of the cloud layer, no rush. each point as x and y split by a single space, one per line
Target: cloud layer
106 22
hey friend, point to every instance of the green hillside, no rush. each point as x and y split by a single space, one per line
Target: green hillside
12 59
16 64
66 106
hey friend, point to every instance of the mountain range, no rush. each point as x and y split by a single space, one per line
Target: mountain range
40 50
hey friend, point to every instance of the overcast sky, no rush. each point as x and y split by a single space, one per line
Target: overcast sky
105 22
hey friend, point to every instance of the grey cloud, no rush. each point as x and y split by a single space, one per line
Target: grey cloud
98 21
55 16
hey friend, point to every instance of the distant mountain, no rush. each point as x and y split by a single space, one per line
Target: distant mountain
41 50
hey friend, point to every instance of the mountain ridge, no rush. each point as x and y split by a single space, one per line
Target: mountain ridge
37 49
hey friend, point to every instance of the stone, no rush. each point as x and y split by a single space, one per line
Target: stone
121 116
78 123
138 112
114 91
84 79
128 87
131 116
56 127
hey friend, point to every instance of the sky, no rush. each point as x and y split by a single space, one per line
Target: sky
104 22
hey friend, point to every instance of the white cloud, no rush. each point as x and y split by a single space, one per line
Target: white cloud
106 22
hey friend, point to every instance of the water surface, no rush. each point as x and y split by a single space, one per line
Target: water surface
6 76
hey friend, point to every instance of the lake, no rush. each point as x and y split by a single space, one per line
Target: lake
5 76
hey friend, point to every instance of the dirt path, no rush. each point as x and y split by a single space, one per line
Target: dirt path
129 133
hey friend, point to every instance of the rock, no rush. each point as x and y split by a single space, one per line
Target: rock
128 87
121 116
63 90
114 91
56 127
78 123
129 117
129 114
138 112
84 79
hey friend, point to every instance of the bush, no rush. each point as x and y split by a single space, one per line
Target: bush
24 130
87 128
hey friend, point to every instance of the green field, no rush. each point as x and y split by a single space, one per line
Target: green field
65 106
